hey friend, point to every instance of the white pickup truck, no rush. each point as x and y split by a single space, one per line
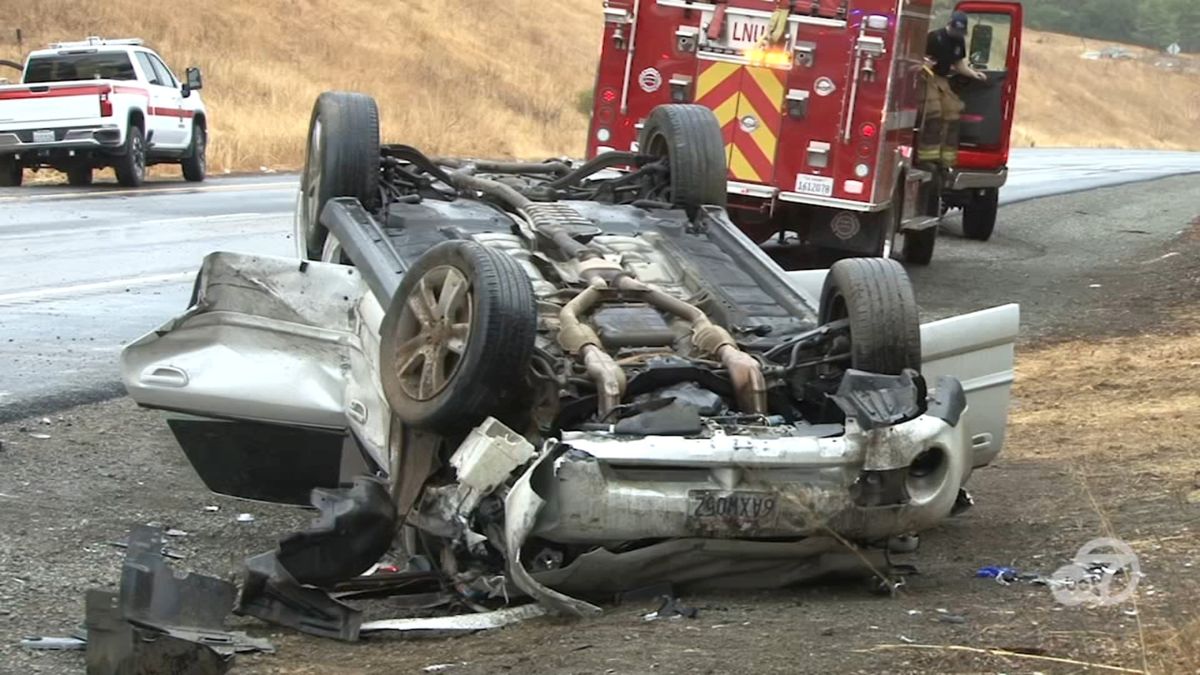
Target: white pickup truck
98 103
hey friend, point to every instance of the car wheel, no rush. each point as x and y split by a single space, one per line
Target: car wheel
917 246
195 165
342 160
11 172
131 166
457 339
689 136
979 215
876 296
79 176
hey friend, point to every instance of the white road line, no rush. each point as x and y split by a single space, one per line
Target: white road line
151 191
95 287
106 227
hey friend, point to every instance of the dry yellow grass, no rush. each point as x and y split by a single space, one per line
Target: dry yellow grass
451 76
1067 101
459 76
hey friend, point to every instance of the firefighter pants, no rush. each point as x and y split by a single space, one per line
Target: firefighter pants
939 131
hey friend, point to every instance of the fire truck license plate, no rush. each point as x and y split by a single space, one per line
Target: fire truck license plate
732 512
45 136
814 185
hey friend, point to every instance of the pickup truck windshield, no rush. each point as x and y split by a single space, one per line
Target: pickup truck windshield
67 67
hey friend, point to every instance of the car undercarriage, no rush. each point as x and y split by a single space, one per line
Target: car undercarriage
575 379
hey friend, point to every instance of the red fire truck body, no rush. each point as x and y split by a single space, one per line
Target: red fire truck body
819 113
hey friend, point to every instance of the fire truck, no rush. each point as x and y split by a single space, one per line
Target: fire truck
820 104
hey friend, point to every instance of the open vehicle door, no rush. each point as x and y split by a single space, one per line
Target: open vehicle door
994 47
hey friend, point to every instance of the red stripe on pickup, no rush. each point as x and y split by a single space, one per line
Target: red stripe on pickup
172 112
80 90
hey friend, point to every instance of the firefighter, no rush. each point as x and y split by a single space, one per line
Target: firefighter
945 53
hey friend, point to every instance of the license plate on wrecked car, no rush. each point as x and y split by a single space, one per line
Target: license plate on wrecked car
43 136
731 513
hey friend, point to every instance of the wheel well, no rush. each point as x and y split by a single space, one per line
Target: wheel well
136 118
201 121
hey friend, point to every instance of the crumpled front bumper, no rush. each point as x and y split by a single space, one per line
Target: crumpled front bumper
862 485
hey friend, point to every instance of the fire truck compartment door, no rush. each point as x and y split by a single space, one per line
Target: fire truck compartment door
748 102
994 47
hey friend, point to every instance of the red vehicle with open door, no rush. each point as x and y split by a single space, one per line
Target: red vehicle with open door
820 103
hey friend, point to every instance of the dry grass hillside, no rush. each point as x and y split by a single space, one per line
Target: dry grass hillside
450 75
1066 100
460 76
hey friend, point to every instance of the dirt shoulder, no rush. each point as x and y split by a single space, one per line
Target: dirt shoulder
1102 443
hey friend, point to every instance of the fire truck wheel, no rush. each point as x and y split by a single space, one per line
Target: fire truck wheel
457 339
689 136
342 160
979 215
876 295
917 246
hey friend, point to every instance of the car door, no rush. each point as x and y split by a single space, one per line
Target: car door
270 379
180 119
994 47
161 128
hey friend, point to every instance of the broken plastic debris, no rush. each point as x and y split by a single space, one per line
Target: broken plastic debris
671 608
245 518
175 533
1004 575
40 437
443 626
212 509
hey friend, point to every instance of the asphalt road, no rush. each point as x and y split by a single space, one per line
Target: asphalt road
84 272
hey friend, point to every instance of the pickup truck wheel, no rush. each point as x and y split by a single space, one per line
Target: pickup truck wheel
876 296
979 215
457 340
79 176
11 172
689 136
342 160
195 165
131 166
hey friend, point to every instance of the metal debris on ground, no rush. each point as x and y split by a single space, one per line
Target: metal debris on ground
448 626
71 643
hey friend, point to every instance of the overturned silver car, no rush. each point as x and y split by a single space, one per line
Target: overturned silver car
576 378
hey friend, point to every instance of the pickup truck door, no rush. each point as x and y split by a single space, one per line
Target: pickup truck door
993 46
166 104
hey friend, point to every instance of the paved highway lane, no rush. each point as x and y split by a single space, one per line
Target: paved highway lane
84 271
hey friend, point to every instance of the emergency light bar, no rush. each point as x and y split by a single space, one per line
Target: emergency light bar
95 41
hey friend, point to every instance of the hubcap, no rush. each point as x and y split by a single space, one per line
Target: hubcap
139 157
433 332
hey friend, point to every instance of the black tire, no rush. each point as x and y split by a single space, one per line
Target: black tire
917 247
487 377
344 128
689 136
195 165
79 176
876 295
131 166
979 215
11 172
